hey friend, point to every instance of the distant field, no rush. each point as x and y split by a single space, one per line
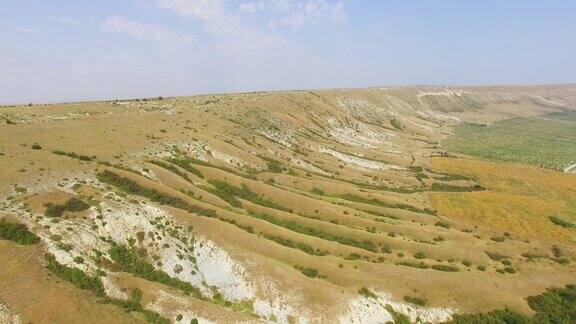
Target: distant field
547 140
518 199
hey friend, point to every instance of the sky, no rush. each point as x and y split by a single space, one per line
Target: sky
70 50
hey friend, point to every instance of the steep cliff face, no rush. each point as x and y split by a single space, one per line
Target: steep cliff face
335 205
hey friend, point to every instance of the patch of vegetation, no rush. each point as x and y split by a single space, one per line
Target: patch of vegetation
128 260
396 124
437 186
296 245
317 191
412 264
556 305
498 239
36 146
495 256
377 202
185 163
544 140
94 284
229 194
72 205
308 272
561 222
445 267
134 188
398 317
18 233
312 231
367 293
442 224
171 168
75 276
415 300
76 156
419 255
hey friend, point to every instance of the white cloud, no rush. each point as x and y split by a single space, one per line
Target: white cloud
66 20
213 13
140 30
296 14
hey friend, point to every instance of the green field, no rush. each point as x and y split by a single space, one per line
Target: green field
548 140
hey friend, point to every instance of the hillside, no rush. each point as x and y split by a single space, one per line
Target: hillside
348 205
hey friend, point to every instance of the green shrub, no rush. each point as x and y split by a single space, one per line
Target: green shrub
419 255
442 224
561 222
308 272
495 256
377 202
18 233
415 300
499 239
556 305
313 231
75 276
445 268
295 245
229 193
367 293
36 146
75 156
73 205
185 163
132 187
129 261
317 191
481 268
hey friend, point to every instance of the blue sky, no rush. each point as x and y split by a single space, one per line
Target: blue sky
63 50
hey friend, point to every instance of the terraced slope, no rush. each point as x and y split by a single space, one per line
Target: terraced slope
329 206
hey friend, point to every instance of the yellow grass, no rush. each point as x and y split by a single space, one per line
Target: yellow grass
519 199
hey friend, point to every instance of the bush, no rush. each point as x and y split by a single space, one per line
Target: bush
36 146
76 156
229 194
445 268
495 256
186 165
308 272
317 191
499 239
132 187
129 261
367 293
561 222
377 202
18 233
556 305
419 255
73 204
415 300
75 276
442 224
312 231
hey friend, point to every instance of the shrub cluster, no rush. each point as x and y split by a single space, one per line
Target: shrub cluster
18 233
73 205
132 187
76 156
312 231
129 261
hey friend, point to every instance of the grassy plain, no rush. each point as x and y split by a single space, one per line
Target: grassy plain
546 140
